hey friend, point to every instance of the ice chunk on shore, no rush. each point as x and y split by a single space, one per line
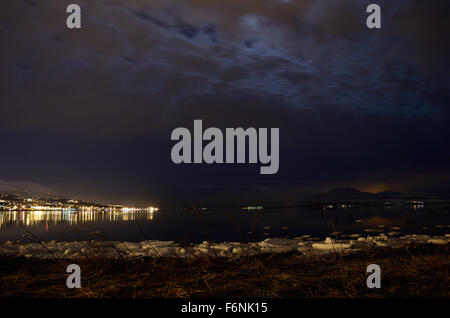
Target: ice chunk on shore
222 247
437 241
155 244
330 244
276 242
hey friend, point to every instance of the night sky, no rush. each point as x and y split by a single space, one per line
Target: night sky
89 112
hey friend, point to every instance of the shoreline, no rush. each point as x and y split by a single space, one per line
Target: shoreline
152 248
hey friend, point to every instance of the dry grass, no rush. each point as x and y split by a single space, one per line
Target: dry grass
416 271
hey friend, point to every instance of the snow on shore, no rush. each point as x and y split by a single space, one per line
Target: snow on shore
117 249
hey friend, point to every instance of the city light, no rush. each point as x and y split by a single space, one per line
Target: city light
31 211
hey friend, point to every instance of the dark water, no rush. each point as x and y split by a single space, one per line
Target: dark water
221 225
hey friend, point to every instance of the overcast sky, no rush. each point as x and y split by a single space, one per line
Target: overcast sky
89 112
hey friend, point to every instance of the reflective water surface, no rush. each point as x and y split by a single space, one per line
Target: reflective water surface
222 224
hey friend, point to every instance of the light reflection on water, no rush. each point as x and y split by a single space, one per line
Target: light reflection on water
35 218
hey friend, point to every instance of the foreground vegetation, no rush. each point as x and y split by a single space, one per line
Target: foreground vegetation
420 270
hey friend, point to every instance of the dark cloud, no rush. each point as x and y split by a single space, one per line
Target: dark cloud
97 105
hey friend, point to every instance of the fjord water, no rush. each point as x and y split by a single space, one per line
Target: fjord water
221 225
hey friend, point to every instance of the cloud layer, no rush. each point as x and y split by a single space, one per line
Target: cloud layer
350 102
